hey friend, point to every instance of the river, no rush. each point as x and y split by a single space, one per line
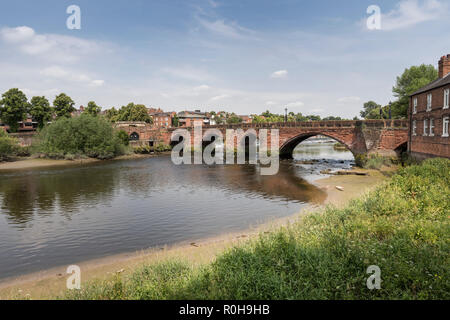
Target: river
60 216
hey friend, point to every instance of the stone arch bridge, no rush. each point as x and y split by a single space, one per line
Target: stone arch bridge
384 137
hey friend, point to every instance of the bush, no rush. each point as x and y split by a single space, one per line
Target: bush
8 146
402 227
85 135
123 136
162 147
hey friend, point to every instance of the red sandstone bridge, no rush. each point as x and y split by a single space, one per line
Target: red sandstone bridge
385 137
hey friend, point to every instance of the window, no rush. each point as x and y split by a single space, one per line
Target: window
429 101
431 127
425 127
414 105
446 98
414 128
445 127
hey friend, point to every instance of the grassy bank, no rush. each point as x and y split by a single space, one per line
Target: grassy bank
402 227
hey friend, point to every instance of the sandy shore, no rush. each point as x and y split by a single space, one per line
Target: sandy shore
37 163
51 283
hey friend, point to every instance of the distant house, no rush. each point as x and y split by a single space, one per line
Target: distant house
429 115
77 112
189 118
27 125
163 119
246 119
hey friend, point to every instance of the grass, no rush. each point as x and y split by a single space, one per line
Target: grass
402 227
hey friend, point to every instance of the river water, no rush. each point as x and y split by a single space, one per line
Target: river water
60 216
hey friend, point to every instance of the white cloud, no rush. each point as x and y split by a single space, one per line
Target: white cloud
51 47
60 73
296 104
227 29
280 74
408 13
349 99
219 97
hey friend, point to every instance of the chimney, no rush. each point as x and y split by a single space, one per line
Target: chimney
444 66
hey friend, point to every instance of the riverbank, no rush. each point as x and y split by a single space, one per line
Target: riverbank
38 163
51 283
398 232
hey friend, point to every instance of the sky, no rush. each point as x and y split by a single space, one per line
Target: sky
242 56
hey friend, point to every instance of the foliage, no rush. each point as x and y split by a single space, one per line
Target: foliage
40 110
64 106
234 119
8 146
147 149
402 227
410 81
123 137
371 110
130 112
13 108
175 121
88 136
93 109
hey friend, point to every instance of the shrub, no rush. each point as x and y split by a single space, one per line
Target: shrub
123 136
8 146
162 147
85 135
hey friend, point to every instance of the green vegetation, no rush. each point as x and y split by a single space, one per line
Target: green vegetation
40 111
93 109
64 106
130 112
8 146
85 135
374 161
339 147
13 108
402 227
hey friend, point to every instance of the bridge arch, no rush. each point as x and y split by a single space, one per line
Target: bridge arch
288 147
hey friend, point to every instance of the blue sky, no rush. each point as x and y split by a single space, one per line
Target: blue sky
315 57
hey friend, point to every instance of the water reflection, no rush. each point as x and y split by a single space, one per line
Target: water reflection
60 216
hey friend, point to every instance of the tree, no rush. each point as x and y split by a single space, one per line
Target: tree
368 110
234 119
134 112
93 109
13 108
64 106
175 120
410 81
80 136
112 114
40 110
8 146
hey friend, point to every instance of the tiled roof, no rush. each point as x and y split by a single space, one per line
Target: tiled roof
433 85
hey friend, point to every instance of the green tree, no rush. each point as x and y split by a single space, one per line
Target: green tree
40 110
123 137
83 136
93 109
64 106
112 114
369 110
134 112
175 121
410 81
233 119
13 108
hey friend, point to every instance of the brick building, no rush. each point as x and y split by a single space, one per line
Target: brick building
163 119
188 118
429 115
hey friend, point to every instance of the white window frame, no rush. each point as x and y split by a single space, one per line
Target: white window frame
446 98
414 105
425 127
431 127
429 101
445 122
414 128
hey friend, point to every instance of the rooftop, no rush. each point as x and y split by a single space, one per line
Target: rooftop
433 85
